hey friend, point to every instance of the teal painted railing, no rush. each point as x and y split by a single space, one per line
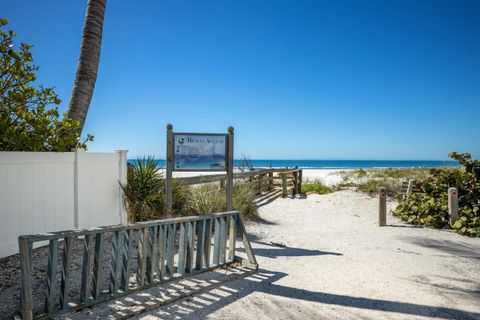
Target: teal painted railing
141 255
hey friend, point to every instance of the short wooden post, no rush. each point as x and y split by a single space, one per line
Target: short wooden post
284 185
222 183
169 173
382 212
452 205
300 179
270 181
230 170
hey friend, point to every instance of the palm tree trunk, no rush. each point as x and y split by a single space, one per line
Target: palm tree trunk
88 62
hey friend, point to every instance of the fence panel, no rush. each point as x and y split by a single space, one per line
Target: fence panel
43 191
155 245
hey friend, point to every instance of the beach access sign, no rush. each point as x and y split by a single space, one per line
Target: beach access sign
195 151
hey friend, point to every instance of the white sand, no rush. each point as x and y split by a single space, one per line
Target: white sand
337 264
326 176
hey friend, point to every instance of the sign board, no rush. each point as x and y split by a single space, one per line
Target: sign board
199 152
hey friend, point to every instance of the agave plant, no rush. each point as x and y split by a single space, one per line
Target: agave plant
144 191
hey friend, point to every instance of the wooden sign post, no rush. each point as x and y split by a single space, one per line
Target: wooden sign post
230 169
197 152
169 176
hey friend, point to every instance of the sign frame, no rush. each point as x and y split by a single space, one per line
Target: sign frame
229 137
225 135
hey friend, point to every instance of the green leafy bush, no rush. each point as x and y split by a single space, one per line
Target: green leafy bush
431 209
27 123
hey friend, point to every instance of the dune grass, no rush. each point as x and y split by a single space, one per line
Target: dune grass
370 180
144 195
315 186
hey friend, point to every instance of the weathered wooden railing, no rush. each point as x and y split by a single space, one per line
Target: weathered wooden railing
288 180
142 255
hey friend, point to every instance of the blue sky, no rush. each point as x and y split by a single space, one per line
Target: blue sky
297 79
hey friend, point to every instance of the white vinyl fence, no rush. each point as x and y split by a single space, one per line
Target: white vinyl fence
48 191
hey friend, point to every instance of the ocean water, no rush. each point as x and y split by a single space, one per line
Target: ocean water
342 164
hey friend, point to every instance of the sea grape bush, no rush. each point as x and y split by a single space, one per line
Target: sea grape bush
431 208
27 120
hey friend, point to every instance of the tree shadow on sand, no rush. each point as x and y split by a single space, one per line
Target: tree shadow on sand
456 248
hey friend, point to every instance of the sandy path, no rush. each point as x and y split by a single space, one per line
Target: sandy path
339 265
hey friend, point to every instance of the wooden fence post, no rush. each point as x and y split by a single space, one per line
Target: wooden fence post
259 184
452 205
270 181
295 183
284 185
382 212
300 179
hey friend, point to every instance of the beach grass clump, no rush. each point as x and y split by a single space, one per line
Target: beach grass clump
370 180
371 186
244 200
315 186
419 174
144 195
209 198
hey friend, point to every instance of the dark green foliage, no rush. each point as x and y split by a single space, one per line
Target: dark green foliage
27 123
431 209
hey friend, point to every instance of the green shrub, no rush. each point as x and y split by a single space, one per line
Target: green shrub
431 209
315 187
